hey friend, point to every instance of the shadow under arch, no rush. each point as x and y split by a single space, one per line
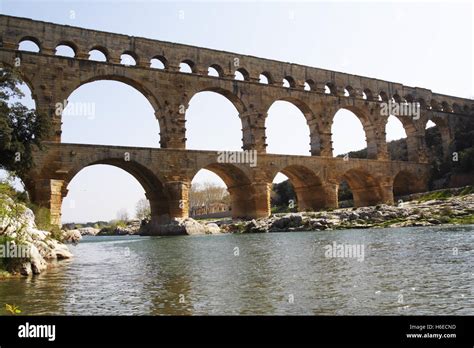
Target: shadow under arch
406 182
239 186
153 186
365 187
412 139
441 126
310 192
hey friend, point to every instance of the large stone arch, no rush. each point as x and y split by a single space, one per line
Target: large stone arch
230 96
442 123
247 198
406 182
305 109
130 82
366 187
416 150
54 169
370 129
153 185
309 188
301 105
416 147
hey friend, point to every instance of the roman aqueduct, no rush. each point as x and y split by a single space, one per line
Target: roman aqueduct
166 172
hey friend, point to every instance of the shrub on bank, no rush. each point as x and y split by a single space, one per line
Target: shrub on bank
112 227
27 249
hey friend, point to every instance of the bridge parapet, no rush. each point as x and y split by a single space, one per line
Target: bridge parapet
49 35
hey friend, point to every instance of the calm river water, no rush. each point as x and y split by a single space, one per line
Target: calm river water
405 271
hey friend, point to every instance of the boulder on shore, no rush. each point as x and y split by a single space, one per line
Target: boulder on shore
38 247
72 236
180 226
89 231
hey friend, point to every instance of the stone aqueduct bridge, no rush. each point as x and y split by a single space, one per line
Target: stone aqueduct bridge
166 172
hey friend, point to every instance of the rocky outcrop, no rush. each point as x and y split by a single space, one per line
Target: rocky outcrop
180 226
37 248
71 236
457 209
132 227
433 212
212 228
88 231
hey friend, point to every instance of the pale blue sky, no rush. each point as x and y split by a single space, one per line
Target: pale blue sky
418 44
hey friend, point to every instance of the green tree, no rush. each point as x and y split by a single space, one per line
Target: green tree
21 129
283 193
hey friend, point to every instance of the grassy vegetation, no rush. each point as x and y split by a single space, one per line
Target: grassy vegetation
462 220
212 219
42 221
445 194
467 190
441 195
113 225
7 189
238 227
96 224
390 222
284 209
4 274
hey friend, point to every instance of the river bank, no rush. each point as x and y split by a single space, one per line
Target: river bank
25 249
451 206
446 210
18 229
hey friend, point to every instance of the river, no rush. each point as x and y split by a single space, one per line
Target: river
407 271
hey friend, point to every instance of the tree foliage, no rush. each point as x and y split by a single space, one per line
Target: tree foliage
282 193
21 129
